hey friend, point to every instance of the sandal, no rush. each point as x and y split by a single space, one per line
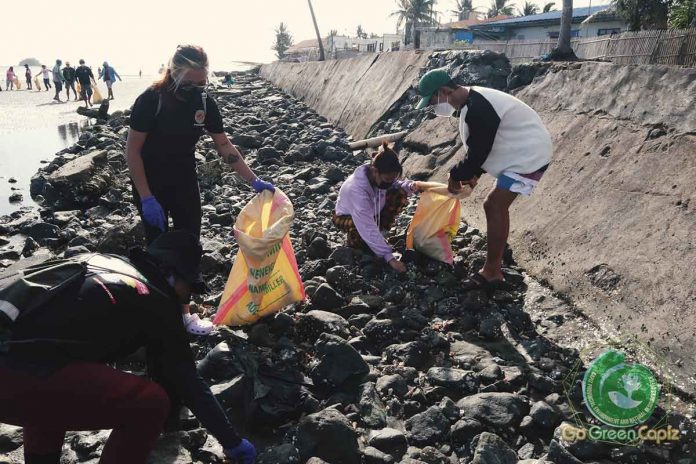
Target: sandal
197 326
478 282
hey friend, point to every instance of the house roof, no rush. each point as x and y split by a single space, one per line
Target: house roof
465 23
305 44
610 14
579 13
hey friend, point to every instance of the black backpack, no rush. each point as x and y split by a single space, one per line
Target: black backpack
24 290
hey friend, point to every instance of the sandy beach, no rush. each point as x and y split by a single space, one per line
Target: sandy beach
33 128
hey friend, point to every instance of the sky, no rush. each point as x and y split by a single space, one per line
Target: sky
142 34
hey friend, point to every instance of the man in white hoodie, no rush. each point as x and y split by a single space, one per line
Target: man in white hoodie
504 138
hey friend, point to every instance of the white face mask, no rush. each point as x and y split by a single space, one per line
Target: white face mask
444 109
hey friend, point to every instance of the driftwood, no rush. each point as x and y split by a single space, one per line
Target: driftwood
377 141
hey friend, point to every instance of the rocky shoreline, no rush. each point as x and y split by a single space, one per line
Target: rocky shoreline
375 367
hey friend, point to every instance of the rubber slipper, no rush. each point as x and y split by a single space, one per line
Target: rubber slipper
478 282
197 326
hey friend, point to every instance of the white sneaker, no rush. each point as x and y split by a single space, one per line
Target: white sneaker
197 326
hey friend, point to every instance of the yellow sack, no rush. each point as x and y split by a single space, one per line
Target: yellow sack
79 89
37 83
264 277
18 85
96 94
435 222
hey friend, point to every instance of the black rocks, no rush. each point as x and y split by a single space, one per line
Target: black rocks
318 248
498 410
247 140
544 415
268 155
413 354
327 435
311 325
491 449
373 414
389 441
427 428
456 380
394 384
464 430
338 364
327 298
341 278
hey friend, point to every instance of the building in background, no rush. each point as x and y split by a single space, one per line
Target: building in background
592 21
454 33
342 46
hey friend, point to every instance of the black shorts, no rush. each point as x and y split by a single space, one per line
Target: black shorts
59 86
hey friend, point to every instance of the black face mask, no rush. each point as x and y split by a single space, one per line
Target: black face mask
190 92
385 185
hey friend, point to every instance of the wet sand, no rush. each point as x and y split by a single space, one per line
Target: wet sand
33 128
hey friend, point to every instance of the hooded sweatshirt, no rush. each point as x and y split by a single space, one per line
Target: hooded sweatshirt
364 202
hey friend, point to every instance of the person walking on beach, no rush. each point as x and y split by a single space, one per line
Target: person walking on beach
166 122
10 78
45 72
53 356
85 77
27 76
504 138
57 80
109 75
69 76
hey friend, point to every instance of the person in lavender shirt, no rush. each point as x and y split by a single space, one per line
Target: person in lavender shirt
369 202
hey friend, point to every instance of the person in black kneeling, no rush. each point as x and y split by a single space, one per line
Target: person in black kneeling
52 363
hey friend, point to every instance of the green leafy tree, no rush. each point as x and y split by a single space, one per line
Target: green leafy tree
682 15
528 9
548 7
464 9
360 32
500 7
283 40
643 14
414 13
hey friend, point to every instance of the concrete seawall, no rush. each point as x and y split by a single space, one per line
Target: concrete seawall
353 93
613 223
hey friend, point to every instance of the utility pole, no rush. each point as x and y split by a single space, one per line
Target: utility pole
316 28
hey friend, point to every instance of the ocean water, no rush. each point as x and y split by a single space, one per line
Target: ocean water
33 127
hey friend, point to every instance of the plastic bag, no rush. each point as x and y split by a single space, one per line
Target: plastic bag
96 94
435 222
264 277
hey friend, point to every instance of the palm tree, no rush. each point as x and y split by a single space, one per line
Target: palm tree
563 50
499 7
548 7
414 13
464 9
528 9
316 29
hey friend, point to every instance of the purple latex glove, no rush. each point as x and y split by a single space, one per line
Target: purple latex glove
244 453
153 212
259 186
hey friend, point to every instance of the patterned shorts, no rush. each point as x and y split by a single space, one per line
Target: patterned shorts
393 206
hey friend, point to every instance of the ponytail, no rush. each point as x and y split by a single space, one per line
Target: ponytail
387 161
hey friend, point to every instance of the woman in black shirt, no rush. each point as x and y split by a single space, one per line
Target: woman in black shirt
167 121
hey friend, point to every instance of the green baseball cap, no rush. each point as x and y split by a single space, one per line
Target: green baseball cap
429 84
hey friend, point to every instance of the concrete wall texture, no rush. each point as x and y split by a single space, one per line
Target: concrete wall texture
613 222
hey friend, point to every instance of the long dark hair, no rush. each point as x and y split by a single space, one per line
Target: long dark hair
185 57
387 161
